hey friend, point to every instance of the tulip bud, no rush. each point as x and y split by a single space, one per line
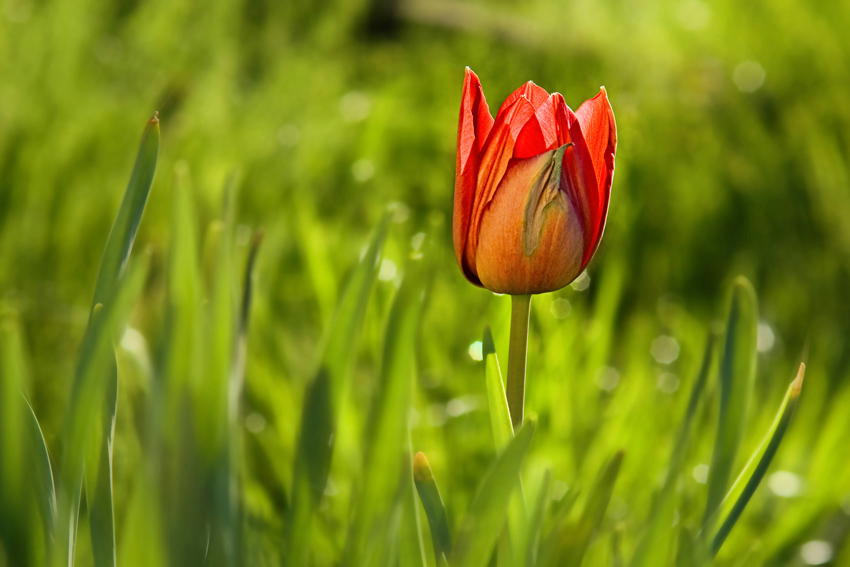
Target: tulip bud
532 188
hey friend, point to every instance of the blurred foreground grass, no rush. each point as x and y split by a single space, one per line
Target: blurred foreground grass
733 158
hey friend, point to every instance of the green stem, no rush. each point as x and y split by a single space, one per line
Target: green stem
515 389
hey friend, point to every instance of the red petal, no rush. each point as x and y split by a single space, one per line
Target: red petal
599 129
541 132
495 157
474 126
579 173
534 94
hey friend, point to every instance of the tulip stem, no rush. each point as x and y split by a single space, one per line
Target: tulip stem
515 389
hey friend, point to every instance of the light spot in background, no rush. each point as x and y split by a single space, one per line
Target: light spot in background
748 76
254 422
133 341
288 135
400 211
816 552
331 488
355 106
785 484
694 15
559 489
766 338
362 170
459 406
387 271
665 349
581 282
675 518
417 240
607 378
667 383
560 308
413 418
475 351
437 415
700 473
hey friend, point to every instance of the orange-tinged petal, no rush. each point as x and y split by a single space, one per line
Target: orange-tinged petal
580 179
474 126
599 129
529 91
528 245
540 132
494 161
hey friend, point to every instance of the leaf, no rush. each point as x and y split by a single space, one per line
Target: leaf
500 416
319 415
411 544
655 544
737 375
568 542
488 511
747 482
387 431
535 519
432 502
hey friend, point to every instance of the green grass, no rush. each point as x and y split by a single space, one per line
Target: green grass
314 122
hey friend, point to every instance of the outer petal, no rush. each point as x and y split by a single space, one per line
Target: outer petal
496 154
580 179
599 129
505 263
474 125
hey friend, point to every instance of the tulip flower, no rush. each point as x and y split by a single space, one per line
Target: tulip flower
531 197
531 187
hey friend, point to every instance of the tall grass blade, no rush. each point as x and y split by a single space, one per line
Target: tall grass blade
322 400
435 511
568 542
741 492
737 375
654 547
489 508
411 543
535 519
387 430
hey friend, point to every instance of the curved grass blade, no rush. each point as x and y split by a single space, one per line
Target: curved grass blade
749 479
432 502
322 400
42 471
655 543
489 508
500 417
411 543
91 382
737 376
535 519
387 430
115 256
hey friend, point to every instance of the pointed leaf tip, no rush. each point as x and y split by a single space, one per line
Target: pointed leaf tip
421 468
797 384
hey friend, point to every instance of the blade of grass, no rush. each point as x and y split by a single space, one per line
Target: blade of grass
489 508
322 400
655 544
411 543
432 502
42 471
747 482
535 519
737 375
115 256
568 543
387 430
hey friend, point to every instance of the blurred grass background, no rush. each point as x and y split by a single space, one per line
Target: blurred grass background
733 124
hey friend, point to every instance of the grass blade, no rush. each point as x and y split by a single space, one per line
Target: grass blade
322 400
488 511
432 502
737 375
535 519
387 431
500 416
749 479
568 542
411 544
655 545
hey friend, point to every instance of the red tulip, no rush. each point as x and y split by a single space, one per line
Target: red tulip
531 187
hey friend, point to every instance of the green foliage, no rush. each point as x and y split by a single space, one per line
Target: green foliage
201 435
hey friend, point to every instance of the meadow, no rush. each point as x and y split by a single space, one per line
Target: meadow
291 327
